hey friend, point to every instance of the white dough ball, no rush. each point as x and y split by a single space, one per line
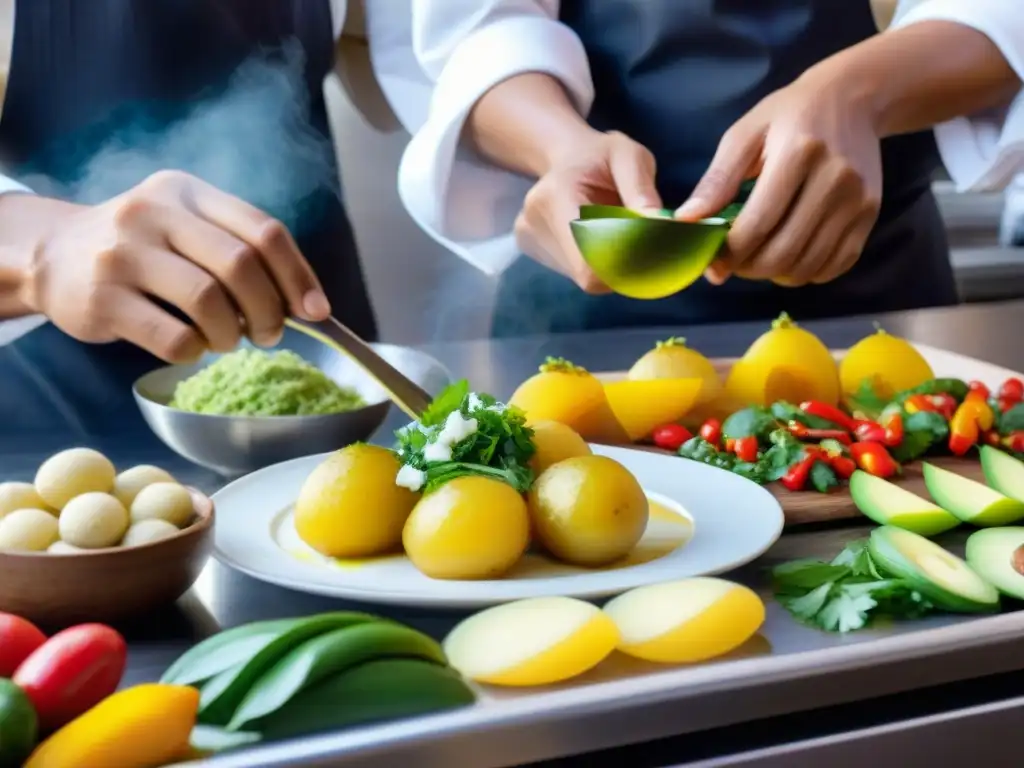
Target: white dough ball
27 530
163 501
19 496
71 473
93 521
128 483
63 548
146 531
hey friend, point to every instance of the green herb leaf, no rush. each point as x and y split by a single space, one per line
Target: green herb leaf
823 477
784 452
921 431
786 412
845 612
1012 420
807 606
754 421
957 388
806 574
449 400
866 401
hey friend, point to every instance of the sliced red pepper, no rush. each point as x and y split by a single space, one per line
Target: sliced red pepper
918 403
670 436
828 413
746 448
867 431
1015 441
979 388
711 430
945 404
893 428
1004 405
843 466
964 429
796 476
874 459
1012 390
804 432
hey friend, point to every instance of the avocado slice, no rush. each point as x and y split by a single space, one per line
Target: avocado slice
1003 472
946 580
971 501
997 554
888 504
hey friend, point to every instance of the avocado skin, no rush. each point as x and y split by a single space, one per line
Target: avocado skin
889 557
991 551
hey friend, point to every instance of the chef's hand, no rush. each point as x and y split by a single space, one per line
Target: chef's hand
607 169
229 267
817 159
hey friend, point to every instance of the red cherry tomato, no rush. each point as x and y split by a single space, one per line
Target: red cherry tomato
1012 390
711 430
72 672
18 639
670 436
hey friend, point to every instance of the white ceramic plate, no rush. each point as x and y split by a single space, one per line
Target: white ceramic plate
704 521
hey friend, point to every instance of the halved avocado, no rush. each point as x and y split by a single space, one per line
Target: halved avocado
888 504
942 577
971 501
1003 472
997 555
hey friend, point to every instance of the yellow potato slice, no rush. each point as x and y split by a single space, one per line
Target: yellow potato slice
531 642
642 405
685 621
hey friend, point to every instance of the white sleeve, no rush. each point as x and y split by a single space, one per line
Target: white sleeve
456 51
983 151
8 184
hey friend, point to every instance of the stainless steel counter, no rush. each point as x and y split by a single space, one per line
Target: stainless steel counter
801 683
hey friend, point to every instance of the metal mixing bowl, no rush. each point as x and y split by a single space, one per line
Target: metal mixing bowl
235 445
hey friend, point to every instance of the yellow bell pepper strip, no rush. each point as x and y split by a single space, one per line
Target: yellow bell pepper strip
146 726
965 427
874 459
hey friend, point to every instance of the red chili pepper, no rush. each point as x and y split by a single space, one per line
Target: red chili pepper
711 430
828 413
746 448
980 388
843 466
893 428
964 429
1015 441
1012 389
874 459
945 404
670 436
804 432
869 431
1004 405
918 403
796 476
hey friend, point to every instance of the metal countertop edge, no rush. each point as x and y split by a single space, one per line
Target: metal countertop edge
376 745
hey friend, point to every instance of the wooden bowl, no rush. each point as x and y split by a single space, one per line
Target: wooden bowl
106 584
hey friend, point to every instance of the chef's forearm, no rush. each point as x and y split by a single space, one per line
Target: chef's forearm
24 221
918 76
526 123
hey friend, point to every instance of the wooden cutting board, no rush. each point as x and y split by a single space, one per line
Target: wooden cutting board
804 507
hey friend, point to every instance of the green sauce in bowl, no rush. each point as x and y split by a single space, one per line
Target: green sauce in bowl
251 382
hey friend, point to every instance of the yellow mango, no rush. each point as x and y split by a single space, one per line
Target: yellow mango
890 363
142 727
571 395
642 405
784 363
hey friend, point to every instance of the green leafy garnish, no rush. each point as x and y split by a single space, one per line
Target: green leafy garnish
1012 420
498 446
866 401
921 431
846 594
753 421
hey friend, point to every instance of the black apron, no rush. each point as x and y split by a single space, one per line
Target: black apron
675 75
105 92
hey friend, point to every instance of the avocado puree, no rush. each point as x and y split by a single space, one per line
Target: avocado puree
251 382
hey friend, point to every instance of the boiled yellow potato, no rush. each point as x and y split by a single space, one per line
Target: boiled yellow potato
127 484
63 548
15 495
71 473
555 442
470 528
350 506
27 530
147 531
163 501
539 641
672 359
93 521
890 363
588 510
685 621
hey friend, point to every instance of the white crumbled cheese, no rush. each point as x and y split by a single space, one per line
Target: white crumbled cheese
437 452
456 428
410 477
473 402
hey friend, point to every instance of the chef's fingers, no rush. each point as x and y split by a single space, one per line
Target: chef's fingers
736 158
191 289
785 172
138 320
848 251
824 207
236 264
563 210
633 170
272 241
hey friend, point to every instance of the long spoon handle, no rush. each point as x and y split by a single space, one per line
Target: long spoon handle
406 394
